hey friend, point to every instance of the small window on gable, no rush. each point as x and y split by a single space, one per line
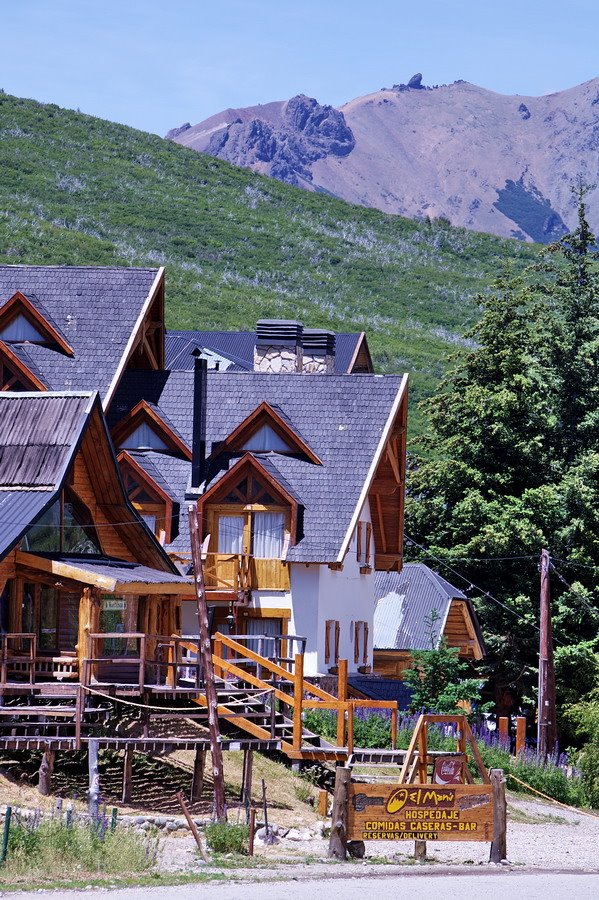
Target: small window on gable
264 439
143 438
20 330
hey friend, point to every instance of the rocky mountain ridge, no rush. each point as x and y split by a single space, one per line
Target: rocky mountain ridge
486 161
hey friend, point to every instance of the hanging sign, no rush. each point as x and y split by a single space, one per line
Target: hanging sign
420 812
448 770
113 604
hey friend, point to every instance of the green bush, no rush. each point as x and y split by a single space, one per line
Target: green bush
55 850
225 838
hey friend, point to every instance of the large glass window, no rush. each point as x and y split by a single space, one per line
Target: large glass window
66 527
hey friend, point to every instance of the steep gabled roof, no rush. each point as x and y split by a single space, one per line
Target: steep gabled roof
41 434
341 417
238 346
97 311
405 603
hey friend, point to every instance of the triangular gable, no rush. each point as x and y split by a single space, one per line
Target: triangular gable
144 427
230 479
256 428
139 482
22 322
15 375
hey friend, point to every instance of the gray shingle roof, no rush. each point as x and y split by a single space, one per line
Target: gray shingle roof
239 347
95 308
405 603
38 436
341 417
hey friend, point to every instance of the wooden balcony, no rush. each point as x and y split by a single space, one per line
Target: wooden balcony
238 573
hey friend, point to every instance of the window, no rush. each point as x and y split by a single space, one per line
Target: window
143 438
363 543
331 641
20 330
268 535
264 439
360 643
244 523
66 527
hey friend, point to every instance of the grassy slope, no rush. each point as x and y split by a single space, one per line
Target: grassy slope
80 190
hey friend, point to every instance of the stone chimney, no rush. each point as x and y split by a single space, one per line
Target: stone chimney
319 352
278 346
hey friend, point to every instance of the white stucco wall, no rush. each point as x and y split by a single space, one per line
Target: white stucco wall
317 594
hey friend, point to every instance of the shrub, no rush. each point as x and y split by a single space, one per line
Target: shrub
54 850
225 838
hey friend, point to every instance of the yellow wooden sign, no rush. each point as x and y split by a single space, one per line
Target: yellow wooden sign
420 812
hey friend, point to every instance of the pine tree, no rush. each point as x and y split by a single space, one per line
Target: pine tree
512 458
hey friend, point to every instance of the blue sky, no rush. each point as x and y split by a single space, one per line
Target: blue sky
156 63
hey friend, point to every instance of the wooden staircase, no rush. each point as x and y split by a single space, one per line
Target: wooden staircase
272 706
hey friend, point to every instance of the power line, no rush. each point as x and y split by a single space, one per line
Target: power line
469 582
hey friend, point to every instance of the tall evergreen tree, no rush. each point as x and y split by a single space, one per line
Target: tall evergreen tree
513 460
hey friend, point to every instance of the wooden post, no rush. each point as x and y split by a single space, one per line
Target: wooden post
338 838
218 651
192 826
420 851
220 809
503 727
350 727
298 697
342 695
420 846
394 729
323 803
46 770
127 774
197 783
246 787
79 710
94 779
499 845
252 831
547 728
520 734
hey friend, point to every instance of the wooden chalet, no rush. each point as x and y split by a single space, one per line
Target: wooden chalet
298 481
76 559
415 609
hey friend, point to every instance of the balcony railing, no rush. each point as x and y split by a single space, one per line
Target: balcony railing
239 572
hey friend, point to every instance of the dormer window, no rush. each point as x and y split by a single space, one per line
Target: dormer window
145 427
150 500
23 321
143 438
266 439
267 429
20 331
14 374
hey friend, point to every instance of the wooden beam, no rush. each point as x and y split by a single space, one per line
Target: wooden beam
379 507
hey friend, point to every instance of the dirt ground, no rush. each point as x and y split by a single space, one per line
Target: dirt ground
155 783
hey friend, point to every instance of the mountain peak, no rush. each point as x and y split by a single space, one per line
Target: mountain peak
483 160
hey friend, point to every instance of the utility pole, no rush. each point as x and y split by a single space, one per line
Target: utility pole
547 730
220 809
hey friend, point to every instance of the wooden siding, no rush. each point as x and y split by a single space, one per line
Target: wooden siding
386 496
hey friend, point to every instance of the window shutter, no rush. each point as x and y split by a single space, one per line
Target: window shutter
337 630
368 538
365 648
359 542
327 641
357 629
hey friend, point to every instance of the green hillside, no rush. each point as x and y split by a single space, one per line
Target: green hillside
237 247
